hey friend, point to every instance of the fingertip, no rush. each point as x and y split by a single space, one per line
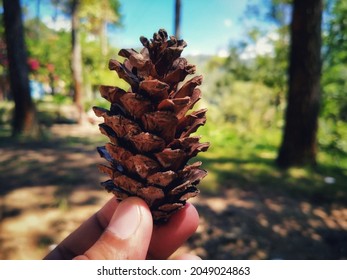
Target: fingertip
127 235
106 212
187 257
193 215
81 258
168 237
188 216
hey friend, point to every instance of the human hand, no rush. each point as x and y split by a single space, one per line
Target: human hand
124 230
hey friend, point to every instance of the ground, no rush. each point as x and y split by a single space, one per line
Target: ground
48 188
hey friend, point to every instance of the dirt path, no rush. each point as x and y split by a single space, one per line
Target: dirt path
251 225
47 189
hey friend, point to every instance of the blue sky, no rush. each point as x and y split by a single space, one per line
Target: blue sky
208 26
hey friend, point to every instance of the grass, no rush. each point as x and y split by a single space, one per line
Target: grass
249 162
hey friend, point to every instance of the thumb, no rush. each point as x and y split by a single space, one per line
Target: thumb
127 236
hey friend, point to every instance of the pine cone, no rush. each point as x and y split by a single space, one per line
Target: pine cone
149 128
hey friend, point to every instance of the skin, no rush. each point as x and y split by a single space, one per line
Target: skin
125 230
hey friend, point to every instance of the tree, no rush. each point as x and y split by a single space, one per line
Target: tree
87 17
177 18
24 119
334 83
3 62
299 143
76 58
96 15
52 50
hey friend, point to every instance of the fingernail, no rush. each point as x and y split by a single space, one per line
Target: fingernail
125 220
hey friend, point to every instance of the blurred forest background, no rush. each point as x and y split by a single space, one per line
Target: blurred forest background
277 123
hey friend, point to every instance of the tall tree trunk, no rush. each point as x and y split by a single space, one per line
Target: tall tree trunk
38 16
24 118
103 38
76 60
299 144
177 19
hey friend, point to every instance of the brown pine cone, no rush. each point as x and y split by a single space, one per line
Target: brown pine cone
149 127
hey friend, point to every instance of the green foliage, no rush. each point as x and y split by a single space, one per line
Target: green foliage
248 162
96 65
259 100
272 68
248 106
240 69
2 46
51 48
334 83
60 99
250 88
5 112
95 13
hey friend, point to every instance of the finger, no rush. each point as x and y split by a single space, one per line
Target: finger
187 257
91 230
127 236
167 238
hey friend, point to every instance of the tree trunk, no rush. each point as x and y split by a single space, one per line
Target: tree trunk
177 19
76 60
38 16
299 144
24 118
103 38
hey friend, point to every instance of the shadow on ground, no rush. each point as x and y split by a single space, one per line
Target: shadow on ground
48 188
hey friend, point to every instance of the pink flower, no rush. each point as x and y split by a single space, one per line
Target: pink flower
34 64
